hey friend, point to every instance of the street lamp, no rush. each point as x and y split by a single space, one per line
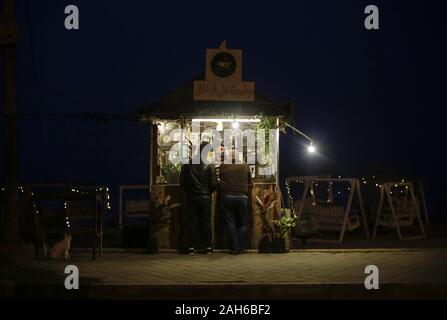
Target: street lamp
311 148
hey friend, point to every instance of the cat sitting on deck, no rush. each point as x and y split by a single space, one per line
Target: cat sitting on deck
61 248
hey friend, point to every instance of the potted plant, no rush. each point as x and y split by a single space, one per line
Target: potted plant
159 218
265 204
283 225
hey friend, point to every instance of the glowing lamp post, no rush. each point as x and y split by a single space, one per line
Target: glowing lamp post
311 148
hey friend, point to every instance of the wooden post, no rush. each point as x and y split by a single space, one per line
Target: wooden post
8 39
417 211
393 212
121 204
330 195
379 212
347 210
424 204
98 202
362 209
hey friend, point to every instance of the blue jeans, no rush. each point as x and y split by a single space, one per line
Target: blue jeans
234 209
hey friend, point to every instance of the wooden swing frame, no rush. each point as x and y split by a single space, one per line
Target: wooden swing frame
386 197
354 189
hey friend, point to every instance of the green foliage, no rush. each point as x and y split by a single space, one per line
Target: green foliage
172 168
283 226
265 124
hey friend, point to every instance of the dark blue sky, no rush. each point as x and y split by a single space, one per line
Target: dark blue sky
373 100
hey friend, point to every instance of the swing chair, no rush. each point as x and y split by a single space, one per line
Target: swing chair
420 198
326 215
399 208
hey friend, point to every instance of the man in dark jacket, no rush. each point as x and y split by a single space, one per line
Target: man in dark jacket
235 187
198 181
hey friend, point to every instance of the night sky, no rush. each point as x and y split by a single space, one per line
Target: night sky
372 100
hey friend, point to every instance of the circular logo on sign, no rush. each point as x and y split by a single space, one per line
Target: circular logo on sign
223 64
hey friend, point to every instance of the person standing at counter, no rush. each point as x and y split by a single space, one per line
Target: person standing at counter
235 187
198 181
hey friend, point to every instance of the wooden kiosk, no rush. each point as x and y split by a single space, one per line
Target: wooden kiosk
217 101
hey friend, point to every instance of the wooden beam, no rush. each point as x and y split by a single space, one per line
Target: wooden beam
8 38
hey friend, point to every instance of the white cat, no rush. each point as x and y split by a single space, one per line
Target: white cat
61 248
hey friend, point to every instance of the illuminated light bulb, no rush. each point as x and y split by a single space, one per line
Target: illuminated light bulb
219 126
311 148
161 127
235 124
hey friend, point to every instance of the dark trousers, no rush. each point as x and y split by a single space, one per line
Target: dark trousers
234 209
199 222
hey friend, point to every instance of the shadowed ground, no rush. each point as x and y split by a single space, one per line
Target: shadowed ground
120 274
